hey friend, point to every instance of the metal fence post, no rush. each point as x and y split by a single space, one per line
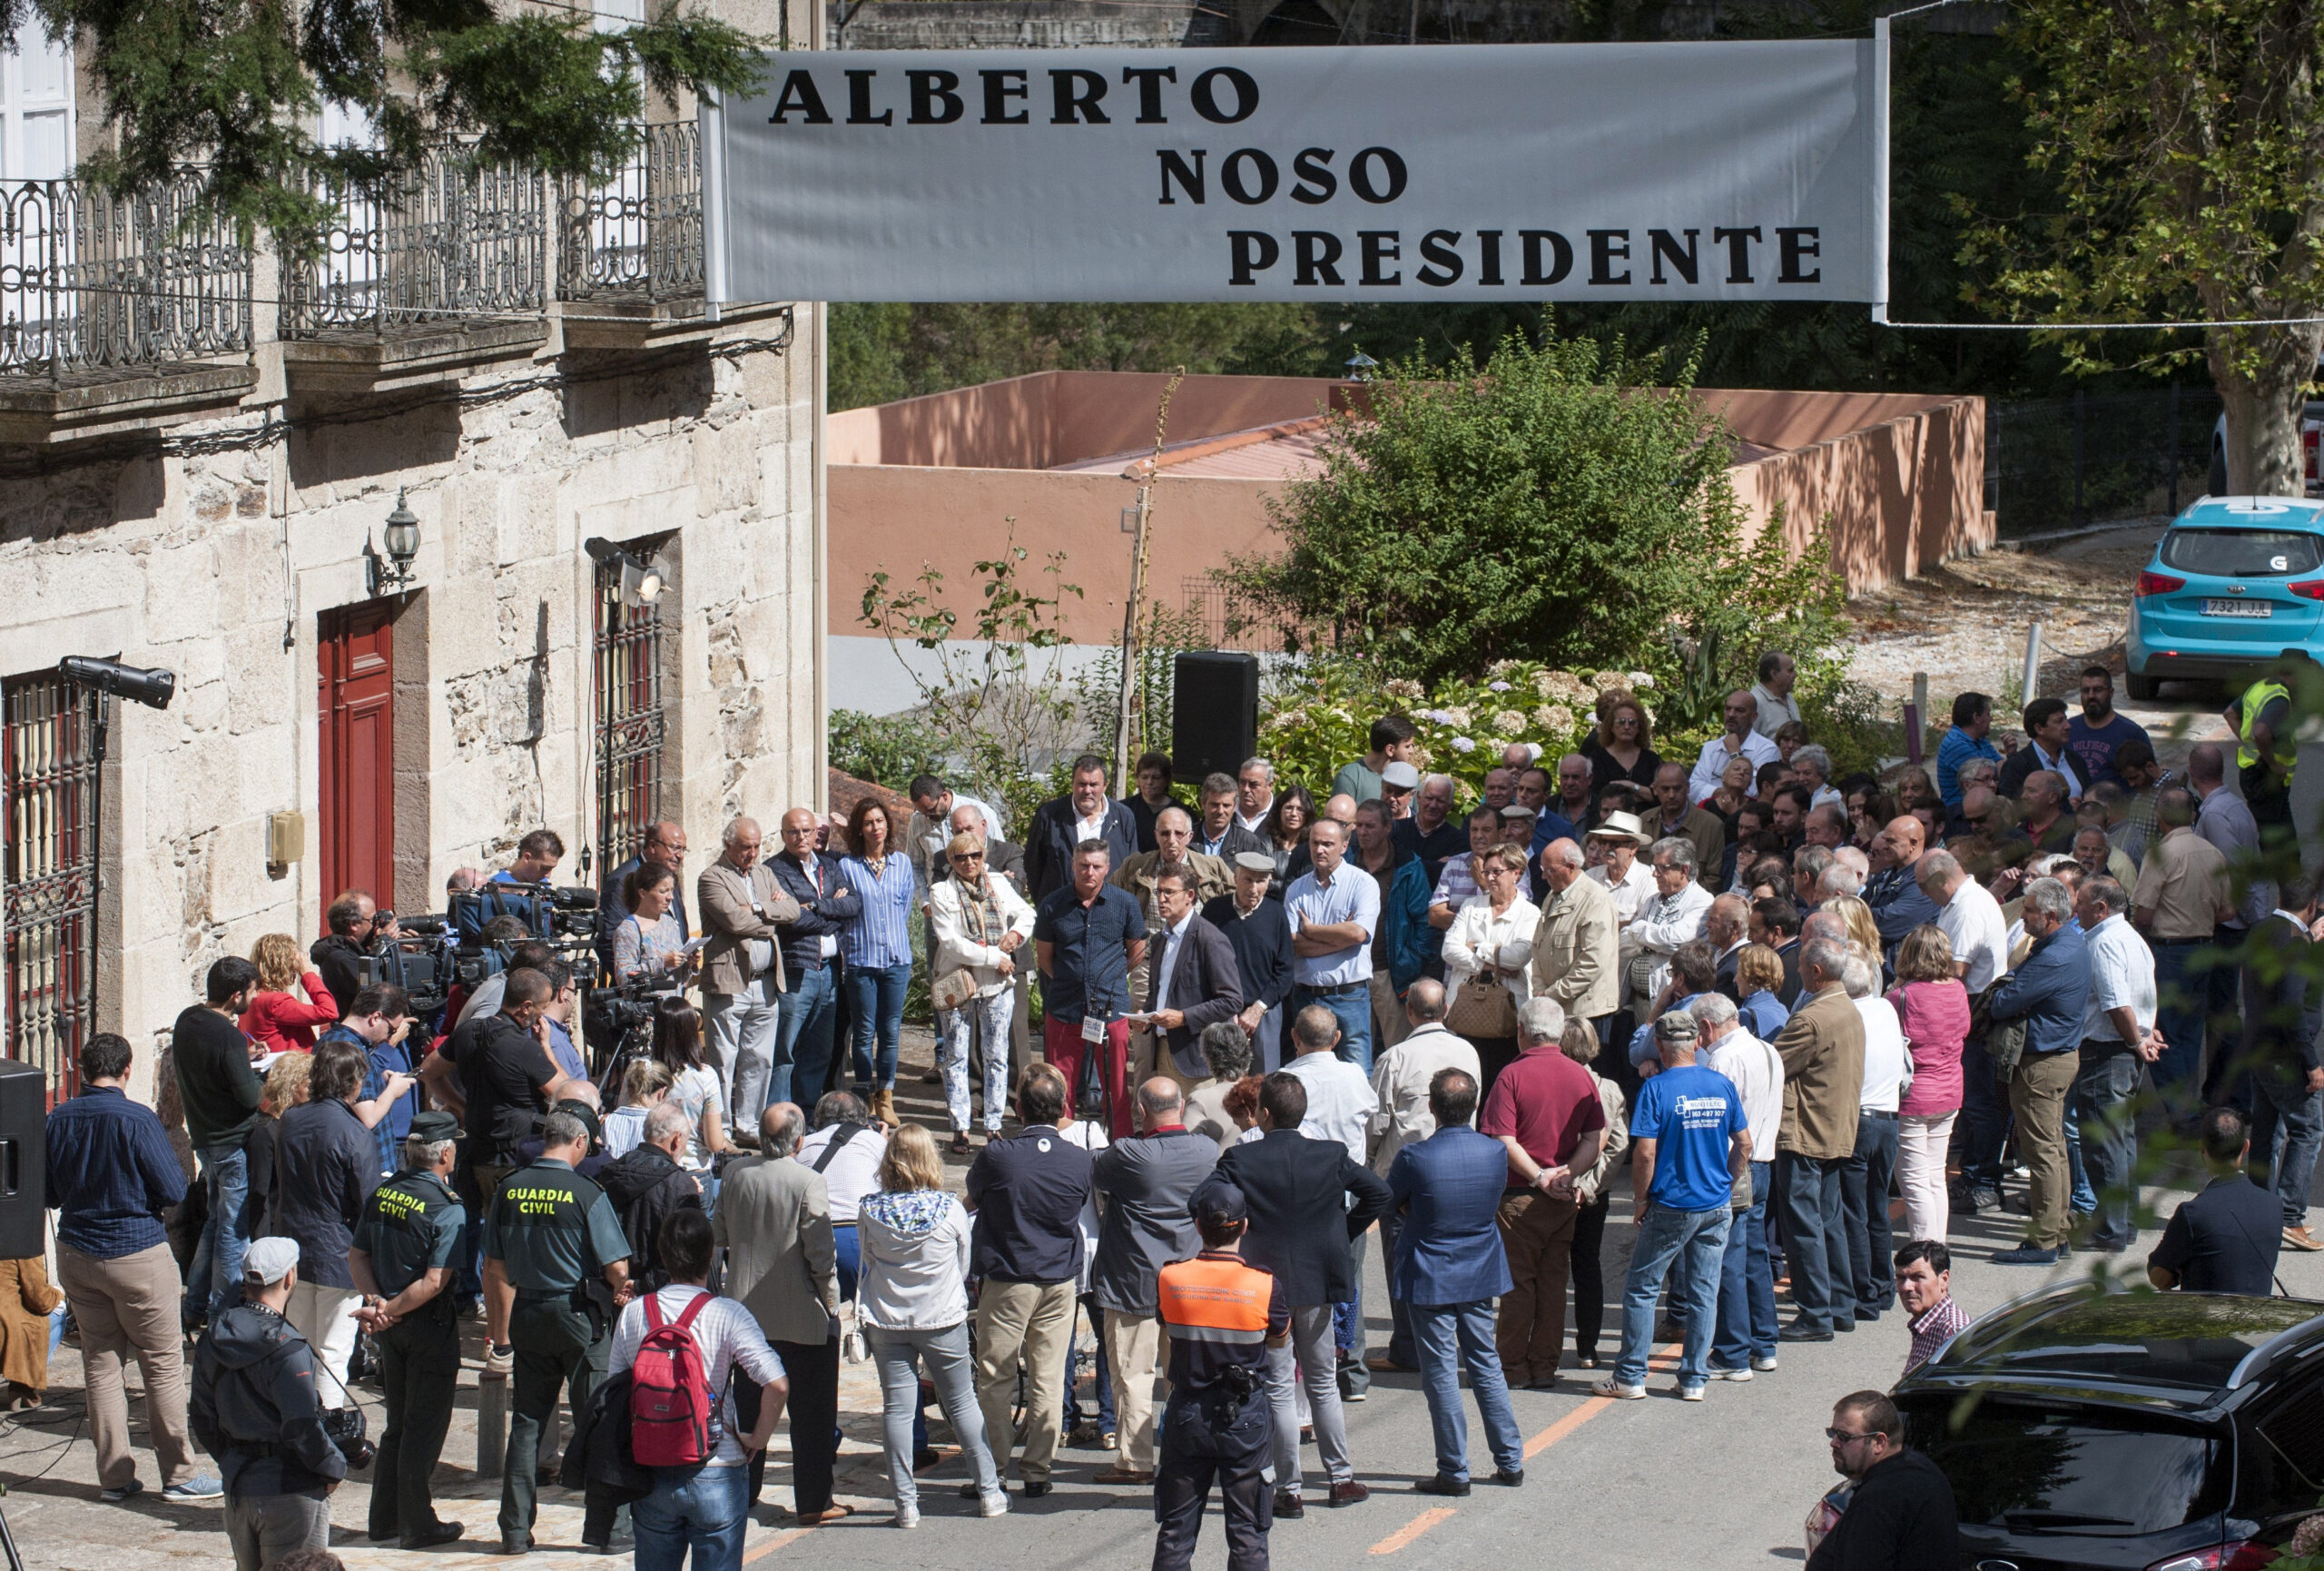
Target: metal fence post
2171 450
2081 420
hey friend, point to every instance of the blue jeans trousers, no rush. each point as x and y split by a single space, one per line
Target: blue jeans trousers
802 1037
877 993
2287 1128
1867 1283
703 1509
1691 1242
1453 1338
1814 1241
1747 1282
1401 1350
2104 1095
226 1236
2182 994
1351 1009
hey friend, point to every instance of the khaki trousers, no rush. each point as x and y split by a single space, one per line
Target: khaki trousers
1136 1346
1537 1230
2037 1097
1030 1321
128 1307
1389 1024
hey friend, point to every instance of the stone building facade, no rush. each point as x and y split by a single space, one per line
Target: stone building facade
215 506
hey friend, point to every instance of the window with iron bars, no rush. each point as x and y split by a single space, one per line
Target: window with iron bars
49 874
630 726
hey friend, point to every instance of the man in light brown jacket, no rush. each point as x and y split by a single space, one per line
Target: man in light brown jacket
1822 1048
741 904
1578 945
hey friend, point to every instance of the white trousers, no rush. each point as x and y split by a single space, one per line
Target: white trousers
1921 1144
326 1318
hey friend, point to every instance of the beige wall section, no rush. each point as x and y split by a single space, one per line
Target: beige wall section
931 479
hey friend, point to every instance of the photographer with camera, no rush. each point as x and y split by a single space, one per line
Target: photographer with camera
402 1261
258 1409
538 855
355 931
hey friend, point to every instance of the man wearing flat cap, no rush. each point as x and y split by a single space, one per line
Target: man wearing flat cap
1260 935
403 1263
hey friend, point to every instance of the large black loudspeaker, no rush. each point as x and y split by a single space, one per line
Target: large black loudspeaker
1214 715
23 1159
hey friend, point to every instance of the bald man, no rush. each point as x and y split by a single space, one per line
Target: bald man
664 846
1898 903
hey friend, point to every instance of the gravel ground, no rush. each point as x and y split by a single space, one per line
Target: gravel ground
1963 623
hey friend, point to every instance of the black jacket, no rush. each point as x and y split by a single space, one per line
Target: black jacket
326 1165
646 1189
597 1459
1297 1189
1050 842
1900 1519
255 1406
821 914
1205 986
336 956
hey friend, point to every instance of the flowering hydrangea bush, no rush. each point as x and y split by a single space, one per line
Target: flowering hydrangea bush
1319 715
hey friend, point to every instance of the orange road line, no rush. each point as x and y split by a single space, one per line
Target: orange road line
1584 1413
777 1542
1413 1529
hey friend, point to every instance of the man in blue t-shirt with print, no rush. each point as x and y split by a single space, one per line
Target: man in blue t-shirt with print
1690 1146
2092 736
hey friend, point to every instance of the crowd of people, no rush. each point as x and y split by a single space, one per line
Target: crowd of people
1266 1022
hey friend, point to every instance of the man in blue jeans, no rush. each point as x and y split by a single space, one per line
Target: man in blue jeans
1334 911
219 1088
1449 1268
807 1007
1690 1143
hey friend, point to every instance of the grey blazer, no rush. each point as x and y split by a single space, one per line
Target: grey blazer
775 1221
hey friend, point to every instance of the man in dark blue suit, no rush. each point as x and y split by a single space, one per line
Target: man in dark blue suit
1449 1268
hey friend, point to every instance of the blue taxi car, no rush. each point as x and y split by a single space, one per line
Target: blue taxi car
2236 585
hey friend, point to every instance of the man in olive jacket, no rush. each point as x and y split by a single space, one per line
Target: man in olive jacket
1822 1048
1577 948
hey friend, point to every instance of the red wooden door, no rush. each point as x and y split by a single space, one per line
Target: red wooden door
356 688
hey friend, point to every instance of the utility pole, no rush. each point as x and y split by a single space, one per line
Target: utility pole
1125 724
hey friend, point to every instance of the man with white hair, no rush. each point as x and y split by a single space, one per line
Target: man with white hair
1254 794
1840 880
1673 916
1431 833
1822 1048
2119 1038
2049 992
1402 1116
743 909
1544 1109
1727 924
1745 1341
1577 947
1811 766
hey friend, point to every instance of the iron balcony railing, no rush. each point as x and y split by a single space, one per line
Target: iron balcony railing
637 237
454 238
95 282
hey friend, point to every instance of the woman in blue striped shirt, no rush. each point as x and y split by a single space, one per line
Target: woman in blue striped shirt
878 948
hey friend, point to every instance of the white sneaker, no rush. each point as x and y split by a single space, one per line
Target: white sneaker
1691 1393
1740 1376
1609 1386
906 1516
993 1505
1764 1362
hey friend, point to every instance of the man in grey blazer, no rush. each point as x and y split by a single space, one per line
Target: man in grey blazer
774 1219
1192 981
742 905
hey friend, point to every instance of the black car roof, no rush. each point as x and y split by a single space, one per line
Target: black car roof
2183 1350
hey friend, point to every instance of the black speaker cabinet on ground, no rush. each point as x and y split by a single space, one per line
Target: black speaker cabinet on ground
1214 715
24 1159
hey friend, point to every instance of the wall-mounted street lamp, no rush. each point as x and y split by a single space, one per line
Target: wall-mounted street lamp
394 571
641 582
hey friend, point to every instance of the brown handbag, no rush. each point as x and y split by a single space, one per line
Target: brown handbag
1484 1010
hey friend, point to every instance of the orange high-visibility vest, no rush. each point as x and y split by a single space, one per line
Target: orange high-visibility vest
1216 1300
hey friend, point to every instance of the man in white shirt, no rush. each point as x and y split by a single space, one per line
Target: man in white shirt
1779 673
1400 1116
1672 917
1254 794
1737 741
1340 1101
2118 1041
1745 1338
1335 910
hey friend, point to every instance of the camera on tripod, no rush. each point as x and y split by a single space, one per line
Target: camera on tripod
415 962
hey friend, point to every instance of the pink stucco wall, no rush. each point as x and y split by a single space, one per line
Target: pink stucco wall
936 480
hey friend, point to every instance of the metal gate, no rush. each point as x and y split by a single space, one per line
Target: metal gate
628 665
50 874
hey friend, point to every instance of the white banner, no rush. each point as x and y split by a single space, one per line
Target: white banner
1743 170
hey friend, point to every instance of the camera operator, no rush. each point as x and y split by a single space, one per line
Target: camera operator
355 931
664 846
538 855
258 1409
517 946
508 1076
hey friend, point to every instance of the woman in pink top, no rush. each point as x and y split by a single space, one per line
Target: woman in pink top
278 1016
1933 1008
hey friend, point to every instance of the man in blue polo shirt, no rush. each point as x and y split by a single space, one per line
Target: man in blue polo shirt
1086 938
1972 716
1335 910
1691 1147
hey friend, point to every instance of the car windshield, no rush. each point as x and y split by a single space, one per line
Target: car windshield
2035 1469
2171 1340
2242 553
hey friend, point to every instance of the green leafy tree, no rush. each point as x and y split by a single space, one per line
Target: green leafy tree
232 89
2185 145
1565 505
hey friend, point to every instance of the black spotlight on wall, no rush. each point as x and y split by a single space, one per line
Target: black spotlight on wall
154 688
641 582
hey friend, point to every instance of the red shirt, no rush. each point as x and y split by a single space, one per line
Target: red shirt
1546 1100
284 1023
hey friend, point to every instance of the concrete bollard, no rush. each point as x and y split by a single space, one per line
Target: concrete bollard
492 1424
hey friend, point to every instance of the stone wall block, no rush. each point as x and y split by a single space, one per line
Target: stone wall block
258 679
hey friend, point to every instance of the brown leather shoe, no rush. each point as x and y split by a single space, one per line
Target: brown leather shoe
1120 1476
1350 1493
2301 1238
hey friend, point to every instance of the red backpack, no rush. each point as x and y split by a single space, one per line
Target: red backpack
670 1402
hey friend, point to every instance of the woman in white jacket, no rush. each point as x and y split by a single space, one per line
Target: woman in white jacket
982 923
1491 936
912 1301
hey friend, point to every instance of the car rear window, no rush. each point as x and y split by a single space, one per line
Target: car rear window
2052 1469
2242 553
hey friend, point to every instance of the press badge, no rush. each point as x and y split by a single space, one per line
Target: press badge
1092 1029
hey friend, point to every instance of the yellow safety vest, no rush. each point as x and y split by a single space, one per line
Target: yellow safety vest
2261 694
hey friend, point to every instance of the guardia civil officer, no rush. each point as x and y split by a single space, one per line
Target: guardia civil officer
1221 1317
549 1235
402 1263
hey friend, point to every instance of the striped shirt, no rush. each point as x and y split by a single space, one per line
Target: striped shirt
881 936
1458 884
725 1332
